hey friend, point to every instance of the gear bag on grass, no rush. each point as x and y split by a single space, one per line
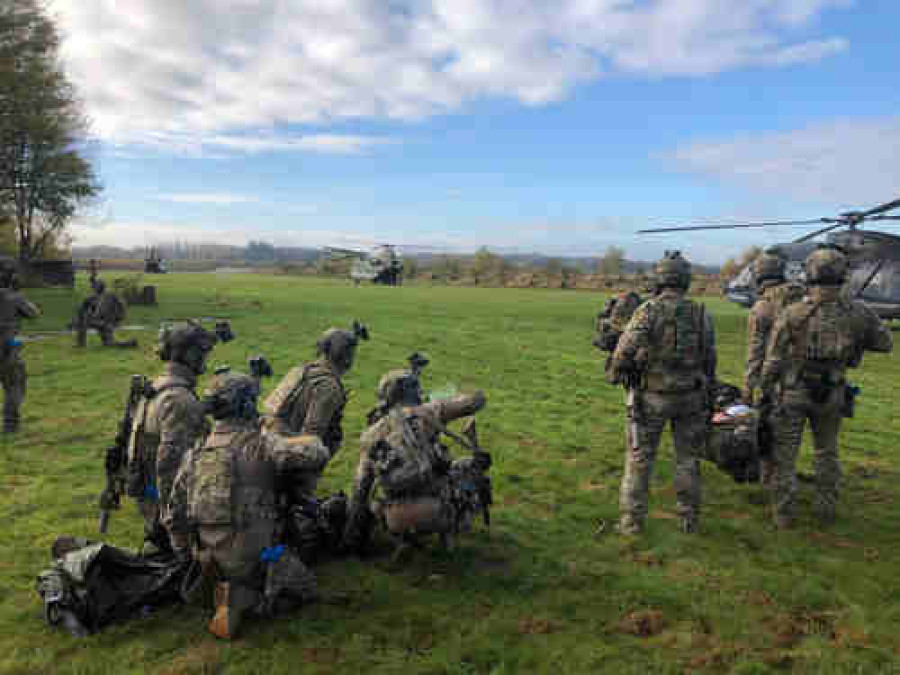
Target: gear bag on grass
95 585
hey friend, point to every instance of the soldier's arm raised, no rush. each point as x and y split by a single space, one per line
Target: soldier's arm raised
461 406
303 452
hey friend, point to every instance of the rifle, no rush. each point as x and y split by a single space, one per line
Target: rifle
116 459
476 480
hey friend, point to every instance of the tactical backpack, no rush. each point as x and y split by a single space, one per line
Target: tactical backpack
403 464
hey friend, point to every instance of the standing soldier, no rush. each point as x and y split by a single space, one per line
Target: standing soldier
167 424
226 501
813 344
13 306
423 491
102 311
666 358
775 295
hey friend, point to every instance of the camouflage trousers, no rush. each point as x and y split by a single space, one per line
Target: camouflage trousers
796 406
767 446
687 414
226 555
14 379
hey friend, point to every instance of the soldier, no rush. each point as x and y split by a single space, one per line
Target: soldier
13 306
226 498
311 398
813 344
611 322
102 311
167 424
422 489
666 358
775 293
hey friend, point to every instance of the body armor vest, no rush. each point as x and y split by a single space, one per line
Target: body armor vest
677 346
234 484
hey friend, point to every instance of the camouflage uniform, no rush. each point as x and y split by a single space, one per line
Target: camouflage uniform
775 295
167 425
13 375
405 441
227 500
813 344
102 311
667 356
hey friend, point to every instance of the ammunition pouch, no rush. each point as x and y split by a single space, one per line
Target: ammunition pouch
820 382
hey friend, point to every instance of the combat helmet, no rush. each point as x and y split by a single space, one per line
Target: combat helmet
399 387
188 343
673 271
231 395
826 266
339 346
769 266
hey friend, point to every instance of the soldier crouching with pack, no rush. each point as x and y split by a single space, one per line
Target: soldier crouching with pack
103 311
422 489
227 500
813 344
666 358
168 422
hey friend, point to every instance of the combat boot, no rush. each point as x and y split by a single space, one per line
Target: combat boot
232 603
80 338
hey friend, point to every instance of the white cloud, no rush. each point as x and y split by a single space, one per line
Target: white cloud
217 198
229 73
851 163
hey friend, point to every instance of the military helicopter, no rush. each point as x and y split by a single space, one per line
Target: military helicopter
153 263
874 256
382 264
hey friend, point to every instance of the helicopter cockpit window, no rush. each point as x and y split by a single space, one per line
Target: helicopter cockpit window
744 279
793 270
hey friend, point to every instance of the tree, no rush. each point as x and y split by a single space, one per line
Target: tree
612 261
259 251
44 172
410 268
554 267
484 265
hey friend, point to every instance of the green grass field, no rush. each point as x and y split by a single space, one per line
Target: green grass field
538 592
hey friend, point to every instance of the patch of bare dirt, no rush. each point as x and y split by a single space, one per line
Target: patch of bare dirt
643 623
533 626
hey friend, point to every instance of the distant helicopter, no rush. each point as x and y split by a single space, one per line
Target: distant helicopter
874 257
154 264
382 264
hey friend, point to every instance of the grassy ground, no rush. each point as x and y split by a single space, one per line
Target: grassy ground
538 593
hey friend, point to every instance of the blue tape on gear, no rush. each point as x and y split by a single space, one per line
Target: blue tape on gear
14 342
271 554
151 493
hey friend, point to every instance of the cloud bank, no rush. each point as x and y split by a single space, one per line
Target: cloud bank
228 73
846 163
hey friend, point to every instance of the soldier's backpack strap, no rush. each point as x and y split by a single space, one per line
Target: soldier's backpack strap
801 337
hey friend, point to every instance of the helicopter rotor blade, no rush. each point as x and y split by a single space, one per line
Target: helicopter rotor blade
881 209
883 218
734 226
813 235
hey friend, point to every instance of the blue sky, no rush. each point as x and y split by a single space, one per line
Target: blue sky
557 127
